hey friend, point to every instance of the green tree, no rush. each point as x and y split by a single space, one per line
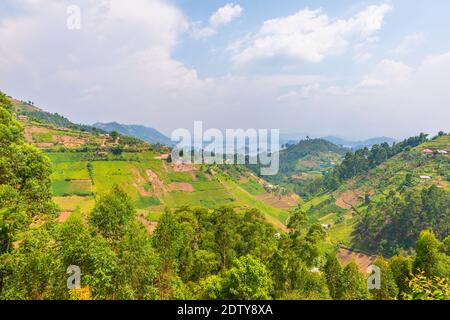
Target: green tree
298 221
112 212
138 262
167 240
388 287
401 269
333 274
353 284
428 258
248 279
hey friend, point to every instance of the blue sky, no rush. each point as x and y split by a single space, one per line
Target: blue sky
209 56
355 69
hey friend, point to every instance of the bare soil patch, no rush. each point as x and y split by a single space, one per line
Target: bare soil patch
362 260
347 200
183 167
158 186
162 157
181 186
139 182
281 202
64 216
149 225
30 130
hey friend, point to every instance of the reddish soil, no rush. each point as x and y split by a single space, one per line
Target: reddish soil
162 157
139 182
280 202
64 216
158 186
347 200
362 260
181 186
30 130
183 167
149 225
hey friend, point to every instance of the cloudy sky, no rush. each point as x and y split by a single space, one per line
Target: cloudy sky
356 69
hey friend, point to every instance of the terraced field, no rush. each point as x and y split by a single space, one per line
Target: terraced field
154 184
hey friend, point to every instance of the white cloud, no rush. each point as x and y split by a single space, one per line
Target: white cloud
199 32
362 56
226 14
410 42
221 17
310 35
388 72
118 65
304 92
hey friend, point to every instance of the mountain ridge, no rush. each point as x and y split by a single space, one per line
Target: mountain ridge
142 132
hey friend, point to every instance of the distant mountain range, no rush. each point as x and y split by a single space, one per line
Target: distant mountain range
153 136
147 134
355 145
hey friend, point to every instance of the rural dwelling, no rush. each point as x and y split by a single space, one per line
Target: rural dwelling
425 177
427 151
22 118
442 152
326 226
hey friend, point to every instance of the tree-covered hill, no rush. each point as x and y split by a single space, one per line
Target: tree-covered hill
383 198
303 165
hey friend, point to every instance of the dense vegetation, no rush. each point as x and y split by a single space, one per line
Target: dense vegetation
303 165
194 253
361 161
37 115
394 222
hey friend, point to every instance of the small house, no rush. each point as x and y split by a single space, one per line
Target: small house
425 177
326 226
427 151
442 152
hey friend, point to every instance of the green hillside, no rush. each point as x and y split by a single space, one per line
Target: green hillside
87 162
359 211
303 165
